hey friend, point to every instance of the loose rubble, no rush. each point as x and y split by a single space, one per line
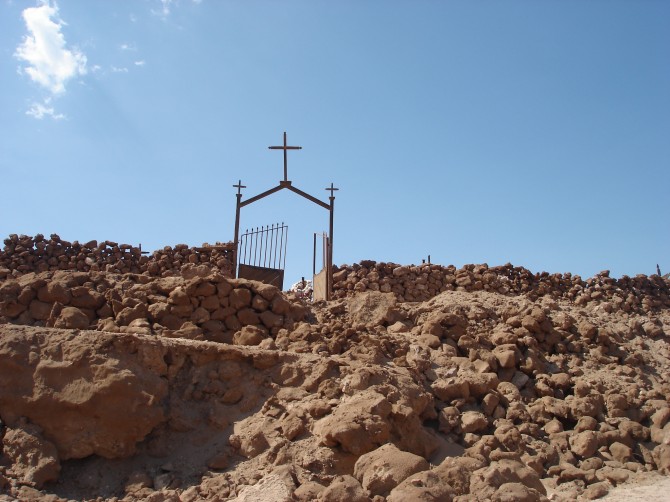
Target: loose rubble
497 385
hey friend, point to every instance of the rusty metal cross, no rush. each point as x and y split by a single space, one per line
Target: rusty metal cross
285 148
332 190
239 187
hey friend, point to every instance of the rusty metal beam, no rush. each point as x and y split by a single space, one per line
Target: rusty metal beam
261 195
308 196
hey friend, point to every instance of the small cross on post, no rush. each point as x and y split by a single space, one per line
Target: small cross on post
239 187
285 148
332 190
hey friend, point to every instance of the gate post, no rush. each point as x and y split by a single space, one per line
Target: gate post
239 187
330 250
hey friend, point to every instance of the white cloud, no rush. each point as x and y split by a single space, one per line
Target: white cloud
140 63
49 62
128 47
39 111
119 70
164 11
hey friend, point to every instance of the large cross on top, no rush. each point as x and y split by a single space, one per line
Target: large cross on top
285 148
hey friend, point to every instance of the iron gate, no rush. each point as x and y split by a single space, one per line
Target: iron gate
262 254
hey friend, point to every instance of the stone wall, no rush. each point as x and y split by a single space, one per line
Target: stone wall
24 254
422 282
203 308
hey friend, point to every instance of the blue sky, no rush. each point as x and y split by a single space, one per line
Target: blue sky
531 132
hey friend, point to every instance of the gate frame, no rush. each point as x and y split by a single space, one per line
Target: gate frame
285 183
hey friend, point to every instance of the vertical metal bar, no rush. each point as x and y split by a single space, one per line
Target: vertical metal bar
237 232
285 241
265 246
314 257
259 245
277 246
255 234
271 235
281 245
246 242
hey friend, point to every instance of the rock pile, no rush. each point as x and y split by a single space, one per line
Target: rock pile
203 308
422 282
231 390
24 254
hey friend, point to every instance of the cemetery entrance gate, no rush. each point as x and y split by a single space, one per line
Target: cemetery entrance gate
272 272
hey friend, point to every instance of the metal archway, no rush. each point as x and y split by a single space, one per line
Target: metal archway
286 184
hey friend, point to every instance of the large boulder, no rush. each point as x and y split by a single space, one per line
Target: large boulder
88 400
358 425
381 470
373 308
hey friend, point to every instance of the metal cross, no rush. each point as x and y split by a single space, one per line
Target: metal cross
332 189
239 187
285 148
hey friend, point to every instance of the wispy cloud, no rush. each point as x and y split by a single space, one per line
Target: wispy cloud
166 7
140 63
128 47
116 69
39 111
164 10
49 61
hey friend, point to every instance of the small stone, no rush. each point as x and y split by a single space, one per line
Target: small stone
473 421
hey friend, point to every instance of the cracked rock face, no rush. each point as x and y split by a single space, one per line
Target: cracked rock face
214 389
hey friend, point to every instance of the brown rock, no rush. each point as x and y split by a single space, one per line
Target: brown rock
81 392
248 316
596 491
457 471
308 492
179 297
473 421
620 452
344 488
381 470
249 335
587 330
661 455
240 298
447 389
516 492
486 481
506 358
72 318
585 444
614 475
425 486
54 292
34 459
271 320
358 425
374 308
40 310
129 314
